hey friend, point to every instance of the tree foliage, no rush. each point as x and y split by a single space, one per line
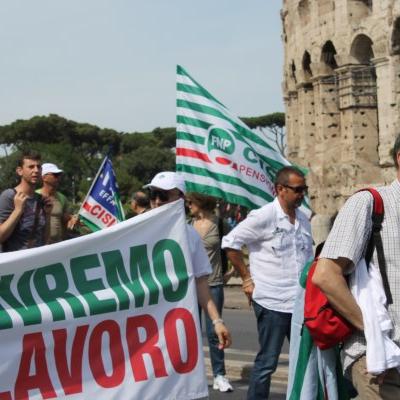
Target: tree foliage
79 148
272 126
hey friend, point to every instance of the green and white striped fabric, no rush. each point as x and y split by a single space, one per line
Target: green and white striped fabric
217 153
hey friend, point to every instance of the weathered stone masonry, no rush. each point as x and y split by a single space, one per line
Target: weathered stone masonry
342 93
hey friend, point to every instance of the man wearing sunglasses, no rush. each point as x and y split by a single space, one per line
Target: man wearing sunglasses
165 188
60 218
278 238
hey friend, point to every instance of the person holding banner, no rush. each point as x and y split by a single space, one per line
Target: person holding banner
24 214
278 238
165 188
208 226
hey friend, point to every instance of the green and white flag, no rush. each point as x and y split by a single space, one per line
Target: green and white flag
217 153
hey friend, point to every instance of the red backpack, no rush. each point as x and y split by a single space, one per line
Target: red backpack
326 326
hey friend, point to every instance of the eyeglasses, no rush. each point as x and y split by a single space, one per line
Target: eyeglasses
161 194
297 189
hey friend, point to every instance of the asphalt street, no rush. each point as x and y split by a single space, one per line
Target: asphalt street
239 317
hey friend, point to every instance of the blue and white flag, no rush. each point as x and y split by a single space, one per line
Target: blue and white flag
102 206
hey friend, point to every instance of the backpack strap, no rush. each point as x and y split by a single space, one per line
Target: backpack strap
375 241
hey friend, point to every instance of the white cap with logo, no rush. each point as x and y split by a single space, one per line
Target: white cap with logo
167 180
50 168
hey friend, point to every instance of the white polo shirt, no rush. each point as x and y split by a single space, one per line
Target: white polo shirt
278 251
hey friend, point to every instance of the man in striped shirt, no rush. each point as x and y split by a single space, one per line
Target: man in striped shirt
345 246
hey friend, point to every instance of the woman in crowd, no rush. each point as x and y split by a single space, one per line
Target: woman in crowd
210 228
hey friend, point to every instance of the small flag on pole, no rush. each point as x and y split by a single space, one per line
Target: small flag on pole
217 153
102 206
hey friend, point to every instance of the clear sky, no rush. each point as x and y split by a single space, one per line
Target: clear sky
112 62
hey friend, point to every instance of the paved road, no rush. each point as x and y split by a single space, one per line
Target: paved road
239 358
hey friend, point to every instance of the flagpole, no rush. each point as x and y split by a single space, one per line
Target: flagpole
93 182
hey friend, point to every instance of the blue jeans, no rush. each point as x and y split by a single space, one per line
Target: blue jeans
272 328
217 356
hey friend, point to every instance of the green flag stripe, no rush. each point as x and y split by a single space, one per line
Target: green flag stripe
216 192
216 113
224 178
306 346
120 210
180 119
89 224
190 137
205 92
199 91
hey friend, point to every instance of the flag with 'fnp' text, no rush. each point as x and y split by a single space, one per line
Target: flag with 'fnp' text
102 206
217 153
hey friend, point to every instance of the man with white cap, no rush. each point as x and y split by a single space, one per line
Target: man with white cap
167 187
60 218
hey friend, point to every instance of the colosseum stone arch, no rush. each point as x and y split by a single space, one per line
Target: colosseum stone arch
342 93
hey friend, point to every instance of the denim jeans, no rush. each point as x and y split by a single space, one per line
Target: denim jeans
272 328
217 356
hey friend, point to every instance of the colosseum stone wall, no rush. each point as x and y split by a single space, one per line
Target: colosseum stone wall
342 93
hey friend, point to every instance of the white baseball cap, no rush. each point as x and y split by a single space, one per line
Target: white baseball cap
167 180
49 168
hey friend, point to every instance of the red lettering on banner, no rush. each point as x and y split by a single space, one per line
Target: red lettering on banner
101 213
172 340
112 222
94 210
71 379
116 353
106 218
142 337
33 347
149 346
87 206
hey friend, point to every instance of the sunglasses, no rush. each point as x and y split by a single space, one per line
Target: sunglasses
297 189
161 194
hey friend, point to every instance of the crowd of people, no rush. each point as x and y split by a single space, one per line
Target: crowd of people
279 245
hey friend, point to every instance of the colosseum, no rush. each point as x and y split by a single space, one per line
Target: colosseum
342 94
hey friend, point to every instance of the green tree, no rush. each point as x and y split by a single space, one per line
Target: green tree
272 126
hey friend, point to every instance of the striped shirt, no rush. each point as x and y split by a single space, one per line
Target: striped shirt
349 238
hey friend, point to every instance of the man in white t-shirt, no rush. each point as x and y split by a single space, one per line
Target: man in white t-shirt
278 238
165 188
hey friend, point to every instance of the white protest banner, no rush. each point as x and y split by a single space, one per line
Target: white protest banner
111 315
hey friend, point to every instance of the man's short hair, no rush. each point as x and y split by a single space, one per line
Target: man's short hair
28 155
141 199
282 176
396 150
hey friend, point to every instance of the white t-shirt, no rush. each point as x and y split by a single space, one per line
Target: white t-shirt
278 251
201 263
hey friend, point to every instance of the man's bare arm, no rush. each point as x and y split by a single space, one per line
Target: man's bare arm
8 226
329 277
237 260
